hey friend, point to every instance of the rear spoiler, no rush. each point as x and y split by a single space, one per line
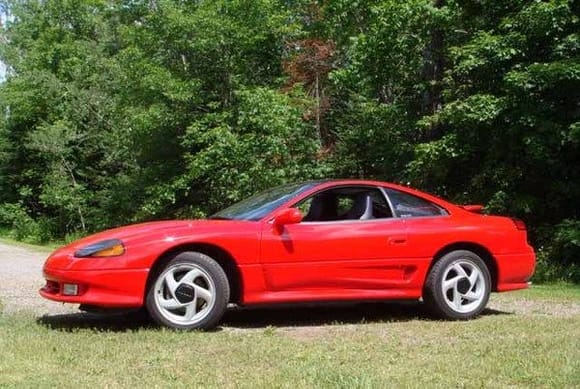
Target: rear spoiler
475 208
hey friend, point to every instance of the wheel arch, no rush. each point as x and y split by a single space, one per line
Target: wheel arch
476 248
217 253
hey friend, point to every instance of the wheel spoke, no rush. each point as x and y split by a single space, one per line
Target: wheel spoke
171 283
202 293
450 283
472 296
456 298
169 303
191 310
473 278
460 270
191 275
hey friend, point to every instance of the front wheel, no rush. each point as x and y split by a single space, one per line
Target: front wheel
191 292
458 286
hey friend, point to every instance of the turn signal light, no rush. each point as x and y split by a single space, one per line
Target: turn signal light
110 252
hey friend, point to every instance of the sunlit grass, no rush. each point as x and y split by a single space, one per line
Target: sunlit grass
556 292
396 350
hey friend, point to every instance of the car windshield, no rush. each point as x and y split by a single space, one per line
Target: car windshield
261 204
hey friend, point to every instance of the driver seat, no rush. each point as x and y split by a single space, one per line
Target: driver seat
362 208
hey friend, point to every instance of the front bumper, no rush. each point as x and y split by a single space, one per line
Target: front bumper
103 288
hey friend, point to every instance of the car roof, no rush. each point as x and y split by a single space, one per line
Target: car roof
328 183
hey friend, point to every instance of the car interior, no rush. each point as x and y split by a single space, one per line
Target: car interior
349 203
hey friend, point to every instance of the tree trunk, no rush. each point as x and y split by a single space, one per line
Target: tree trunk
318 108
74 182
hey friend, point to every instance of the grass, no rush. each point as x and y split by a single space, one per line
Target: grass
303 348
559 291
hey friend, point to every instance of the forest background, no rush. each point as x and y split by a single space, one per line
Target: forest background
114 112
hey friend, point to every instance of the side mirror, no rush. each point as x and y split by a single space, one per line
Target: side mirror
287 216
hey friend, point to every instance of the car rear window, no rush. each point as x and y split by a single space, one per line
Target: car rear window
407 205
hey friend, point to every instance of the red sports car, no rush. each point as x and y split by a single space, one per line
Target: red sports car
334 240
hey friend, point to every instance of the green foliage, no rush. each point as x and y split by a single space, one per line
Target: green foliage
118 112
565 245
372 141
20 224
261 143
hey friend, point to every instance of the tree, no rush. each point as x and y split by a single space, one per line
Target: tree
124 111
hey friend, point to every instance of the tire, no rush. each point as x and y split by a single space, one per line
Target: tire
190 292
458 286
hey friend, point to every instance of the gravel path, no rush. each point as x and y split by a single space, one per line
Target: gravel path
20 279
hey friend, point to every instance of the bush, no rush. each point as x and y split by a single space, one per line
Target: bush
559 260
21 225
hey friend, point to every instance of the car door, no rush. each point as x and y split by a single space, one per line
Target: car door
337 251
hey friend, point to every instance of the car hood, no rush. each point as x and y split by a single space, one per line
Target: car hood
169 229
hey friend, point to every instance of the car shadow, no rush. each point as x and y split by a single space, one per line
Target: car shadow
329 314
259 317
305 315
115 322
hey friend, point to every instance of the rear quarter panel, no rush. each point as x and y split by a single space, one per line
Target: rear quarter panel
508 246
497 234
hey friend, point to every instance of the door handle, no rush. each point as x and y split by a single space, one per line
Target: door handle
397 240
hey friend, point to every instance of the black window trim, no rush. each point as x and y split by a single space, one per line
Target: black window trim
384 192
396 214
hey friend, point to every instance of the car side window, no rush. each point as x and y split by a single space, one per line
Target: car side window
407 205
345 203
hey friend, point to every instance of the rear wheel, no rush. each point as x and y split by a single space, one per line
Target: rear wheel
458 286
191 292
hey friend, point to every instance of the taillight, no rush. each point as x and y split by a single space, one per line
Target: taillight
520 225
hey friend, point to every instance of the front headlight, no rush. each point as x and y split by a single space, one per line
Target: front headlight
105 248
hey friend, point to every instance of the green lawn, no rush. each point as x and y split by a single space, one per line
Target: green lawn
556 292
355 346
